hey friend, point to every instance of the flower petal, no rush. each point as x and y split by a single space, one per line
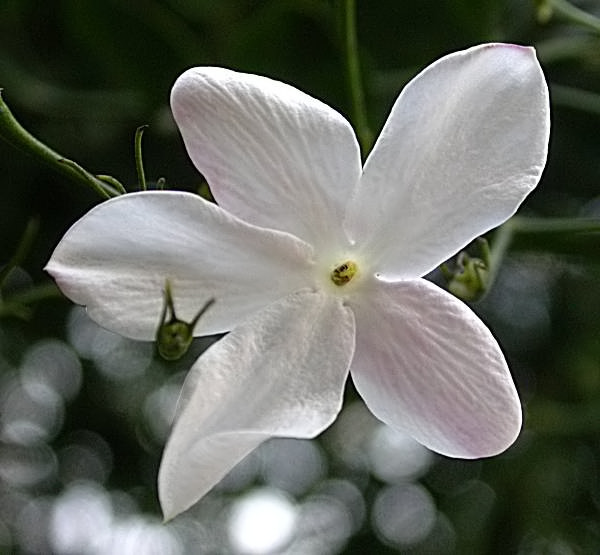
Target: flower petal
427 365
117 258
465 142
280 373
271 154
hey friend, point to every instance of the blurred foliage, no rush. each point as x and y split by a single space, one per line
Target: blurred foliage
84 414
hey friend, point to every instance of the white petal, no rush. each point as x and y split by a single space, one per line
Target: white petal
281 373
117 258
427 365
271 154
465 143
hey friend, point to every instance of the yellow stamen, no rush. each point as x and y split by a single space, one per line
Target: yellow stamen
344 272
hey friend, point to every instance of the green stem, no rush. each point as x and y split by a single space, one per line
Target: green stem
86 177
576 99
114 182
574 238
572 14
520 228
23 249
13 133
139 163
524 225
359 112
17 304
500 244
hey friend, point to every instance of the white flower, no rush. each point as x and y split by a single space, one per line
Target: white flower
315 262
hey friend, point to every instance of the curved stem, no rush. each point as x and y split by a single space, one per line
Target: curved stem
14 134
18 304
573 14
139 163
359 112
576 99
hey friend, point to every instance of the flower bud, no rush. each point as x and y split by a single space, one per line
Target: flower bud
469 279
174 337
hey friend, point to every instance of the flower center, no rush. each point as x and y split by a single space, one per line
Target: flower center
344 272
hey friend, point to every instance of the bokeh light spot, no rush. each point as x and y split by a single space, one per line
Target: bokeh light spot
262 521
396 456
54 364
292 465
403 515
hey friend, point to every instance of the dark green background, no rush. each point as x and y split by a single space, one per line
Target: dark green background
82 75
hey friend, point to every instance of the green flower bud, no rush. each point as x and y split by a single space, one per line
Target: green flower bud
174 336
470 278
